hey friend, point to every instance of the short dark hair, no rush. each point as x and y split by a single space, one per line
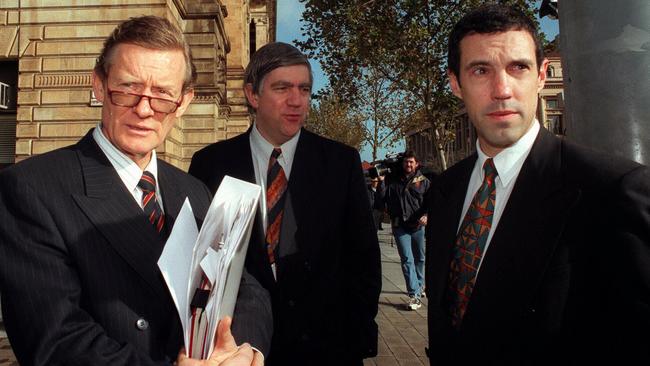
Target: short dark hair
268 58
410 154
149 32
491 18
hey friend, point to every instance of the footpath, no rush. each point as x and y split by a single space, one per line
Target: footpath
402 333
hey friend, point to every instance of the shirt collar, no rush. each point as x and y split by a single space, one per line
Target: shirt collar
265 147
507 161
127 169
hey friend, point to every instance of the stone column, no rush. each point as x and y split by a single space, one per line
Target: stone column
606 62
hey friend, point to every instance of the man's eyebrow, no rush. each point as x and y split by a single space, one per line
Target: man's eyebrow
523 61
288 83
281 83
477 63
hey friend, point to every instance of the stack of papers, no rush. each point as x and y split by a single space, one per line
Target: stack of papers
211 260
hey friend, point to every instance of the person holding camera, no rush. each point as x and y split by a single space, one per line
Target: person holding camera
376 205
403 193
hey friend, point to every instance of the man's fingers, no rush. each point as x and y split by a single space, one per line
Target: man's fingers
258 359
225 343
243 356
183 360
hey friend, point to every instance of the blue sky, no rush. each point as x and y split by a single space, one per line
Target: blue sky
288 29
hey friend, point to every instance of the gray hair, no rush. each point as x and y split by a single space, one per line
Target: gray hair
149 32
270 57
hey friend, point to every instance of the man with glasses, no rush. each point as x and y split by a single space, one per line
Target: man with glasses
82 227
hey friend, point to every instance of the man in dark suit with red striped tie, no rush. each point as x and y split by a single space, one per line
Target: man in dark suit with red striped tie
314 246
82 227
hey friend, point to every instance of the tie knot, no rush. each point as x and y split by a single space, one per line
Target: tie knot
276 152
489 169
147 182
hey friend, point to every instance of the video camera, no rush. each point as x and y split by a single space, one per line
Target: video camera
390 165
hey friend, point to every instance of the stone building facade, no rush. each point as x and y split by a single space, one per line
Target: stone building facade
48 50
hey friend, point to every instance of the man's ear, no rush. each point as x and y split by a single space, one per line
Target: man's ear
185 102
541 77
98 87
250 95
454 84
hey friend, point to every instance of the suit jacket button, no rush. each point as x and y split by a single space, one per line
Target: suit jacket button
142 324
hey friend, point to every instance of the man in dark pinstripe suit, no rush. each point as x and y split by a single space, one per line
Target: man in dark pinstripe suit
78 273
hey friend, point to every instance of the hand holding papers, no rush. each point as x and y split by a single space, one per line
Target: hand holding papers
203 269
226 351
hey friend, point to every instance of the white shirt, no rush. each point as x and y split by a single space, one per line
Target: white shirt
508 163
127 169
261 152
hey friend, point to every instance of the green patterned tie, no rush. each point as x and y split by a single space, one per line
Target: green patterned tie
470 242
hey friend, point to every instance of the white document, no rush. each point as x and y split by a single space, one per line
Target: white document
216 252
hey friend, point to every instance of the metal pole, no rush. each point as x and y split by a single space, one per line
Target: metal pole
605 49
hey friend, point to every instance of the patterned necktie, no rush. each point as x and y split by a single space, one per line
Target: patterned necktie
470 242
276 186
150 204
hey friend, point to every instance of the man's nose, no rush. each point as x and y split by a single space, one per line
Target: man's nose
295 97
143 108
501 86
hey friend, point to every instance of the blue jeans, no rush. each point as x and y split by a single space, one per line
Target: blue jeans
410 246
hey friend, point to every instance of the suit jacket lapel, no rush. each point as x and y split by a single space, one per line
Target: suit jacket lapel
173 198
242 168
115 214
451 195
304 173
527 233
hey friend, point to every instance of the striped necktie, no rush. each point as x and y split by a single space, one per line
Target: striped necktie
276 186
150 204
469 245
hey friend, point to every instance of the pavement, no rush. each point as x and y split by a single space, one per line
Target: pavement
402 332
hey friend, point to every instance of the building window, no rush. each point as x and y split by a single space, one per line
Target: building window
8 107
552 103
252 33
550 72
4 95
554 124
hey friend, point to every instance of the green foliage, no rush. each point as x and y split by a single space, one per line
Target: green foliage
401 42
336 120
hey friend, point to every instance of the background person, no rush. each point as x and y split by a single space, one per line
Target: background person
403 194
376 205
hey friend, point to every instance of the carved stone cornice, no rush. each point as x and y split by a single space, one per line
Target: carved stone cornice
260 18
63 80
224 111
201 9
235 72
205 98
205 9
209 96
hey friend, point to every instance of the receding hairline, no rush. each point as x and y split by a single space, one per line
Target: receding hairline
152 33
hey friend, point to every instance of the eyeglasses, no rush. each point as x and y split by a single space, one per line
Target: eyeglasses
160 105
